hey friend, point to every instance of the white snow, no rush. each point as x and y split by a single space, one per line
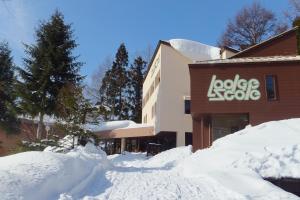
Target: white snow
45 175
221 161
170 158
112 125
65 144
231 169
283 163
48 120
195 51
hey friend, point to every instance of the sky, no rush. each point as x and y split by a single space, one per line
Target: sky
100 26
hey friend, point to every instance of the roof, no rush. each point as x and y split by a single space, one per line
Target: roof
230 49
190 49
126 133
252 60
265 42
194 50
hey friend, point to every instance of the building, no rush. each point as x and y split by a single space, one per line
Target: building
253 86
166 89
11 142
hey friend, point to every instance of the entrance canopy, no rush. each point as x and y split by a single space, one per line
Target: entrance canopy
122 129
126 133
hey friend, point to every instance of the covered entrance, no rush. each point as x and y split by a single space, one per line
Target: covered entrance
224 124
210 127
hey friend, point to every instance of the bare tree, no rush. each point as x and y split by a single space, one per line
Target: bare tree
92 89
293 12
147 53
250 26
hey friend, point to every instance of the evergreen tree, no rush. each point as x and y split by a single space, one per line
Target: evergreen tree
49 66
136 78
74 111
8 120
113 92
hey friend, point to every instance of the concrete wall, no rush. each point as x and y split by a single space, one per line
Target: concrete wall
169 96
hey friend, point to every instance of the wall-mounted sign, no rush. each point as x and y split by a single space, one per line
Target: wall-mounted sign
236 89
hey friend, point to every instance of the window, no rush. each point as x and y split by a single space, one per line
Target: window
153 110
188 138
151 89
187 106
271 87
157 79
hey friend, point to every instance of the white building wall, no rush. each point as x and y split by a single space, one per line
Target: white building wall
169 94
175 86
150 79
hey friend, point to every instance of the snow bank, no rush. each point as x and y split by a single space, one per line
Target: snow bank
127 159
65 144
220 160
194 50
111 125
284 163
169 158
45 175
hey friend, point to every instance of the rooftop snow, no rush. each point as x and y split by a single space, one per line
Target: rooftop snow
195 50
112 125
252 60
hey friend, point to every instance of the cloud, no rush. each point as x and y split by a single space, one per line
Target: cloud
16 23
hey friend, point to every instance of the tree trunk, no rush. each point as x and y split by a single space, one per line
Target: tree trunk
40 127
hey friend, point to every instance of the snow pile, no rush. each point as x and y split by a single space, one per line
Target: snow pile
220 160
169 158
112 125
45 175
284 163
194 50
127 159
137 177
65 144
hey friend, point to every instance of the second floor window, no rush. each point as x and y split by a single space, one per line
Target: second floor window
187 106
271 87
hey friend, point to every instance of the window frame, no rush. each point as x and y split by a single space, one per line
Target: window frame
275 87
185 108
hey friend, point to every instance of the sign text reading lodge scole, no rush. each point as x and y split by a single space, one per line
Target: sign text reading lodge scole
236 89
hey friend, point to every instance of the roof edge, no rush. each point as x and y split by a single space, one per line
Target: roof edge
160 42
265 41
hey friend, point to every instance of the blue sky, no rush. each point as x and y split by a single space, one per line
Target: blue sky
101 25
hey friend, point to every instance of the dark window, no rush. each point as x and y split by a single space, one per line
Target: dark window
188 138
187 106
271 85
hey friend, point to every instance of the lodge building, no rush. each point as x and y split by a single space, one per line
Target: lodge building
166 89
259 84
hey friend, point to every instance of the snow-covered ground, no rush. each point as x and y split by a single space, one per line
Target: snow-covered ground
231 169
45 175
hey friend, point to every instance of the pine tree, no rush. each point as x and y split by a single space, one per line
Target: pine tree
49 66
113 88
8 120
136 78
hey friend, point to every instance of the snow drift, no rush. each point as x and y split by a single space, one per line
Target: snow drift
228 160
45 175
285 163
169 158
